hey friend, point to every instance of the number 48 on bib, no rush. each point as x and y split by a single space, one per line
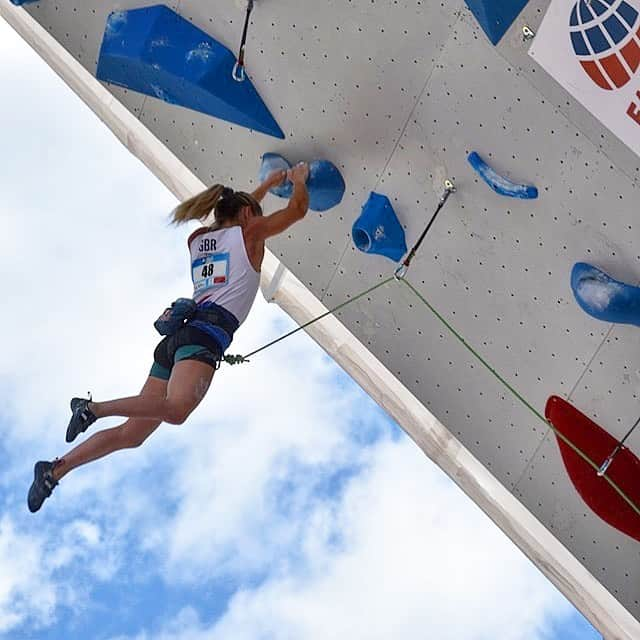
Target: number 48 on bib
210 271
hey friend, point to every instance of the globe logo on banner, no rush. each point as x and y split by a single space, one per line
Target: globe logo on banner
605 37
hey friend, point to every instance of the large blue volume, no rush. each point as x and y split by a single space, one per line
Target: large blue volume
603 297
378 229
155 51
496 16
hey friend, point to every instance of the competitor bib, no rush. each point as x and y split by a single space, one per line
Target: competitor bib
210 271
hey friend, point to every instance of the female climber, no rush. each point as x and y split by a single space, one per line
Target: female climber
226 258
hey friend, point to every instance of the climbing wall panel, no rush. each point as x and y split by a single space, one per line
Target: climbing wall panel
397 94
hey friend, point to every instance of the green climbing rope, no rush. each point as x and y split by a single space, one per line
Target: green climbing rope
242 359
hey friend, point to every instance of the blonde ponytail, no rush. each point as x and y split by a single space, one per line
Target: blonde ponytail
198 207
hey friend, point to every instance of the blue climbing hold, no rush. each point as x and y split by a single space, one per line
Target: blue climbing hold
155 51
275 162
378 230
18 3
326 185
603 297
500 184
496 16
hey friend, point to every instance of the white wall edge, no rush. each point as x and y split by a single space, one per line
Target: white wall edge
536 542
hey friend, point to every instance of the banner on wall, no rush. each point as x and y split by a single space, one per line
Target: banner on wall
592 48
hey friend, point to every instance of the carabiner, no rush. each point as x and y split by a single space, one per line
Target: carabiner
238 73
605 465
400 272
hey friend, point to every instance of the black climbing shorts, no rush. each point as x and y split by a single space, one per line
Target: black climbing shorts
188 343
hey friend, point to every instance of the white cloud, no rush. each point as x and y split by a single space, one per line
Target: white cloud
22 575
414 561
31 566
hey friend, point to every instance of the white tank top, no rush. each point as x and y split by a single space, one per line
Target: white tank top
221 271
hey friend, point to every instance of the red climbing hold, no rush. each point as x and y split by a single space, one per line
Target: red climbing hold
597 444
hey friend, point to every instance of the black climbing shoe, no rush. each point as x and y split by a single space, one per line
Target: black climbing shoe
81 419
42 486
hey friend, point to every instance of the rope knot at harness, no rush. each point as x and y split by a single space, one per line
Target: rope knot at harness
236 360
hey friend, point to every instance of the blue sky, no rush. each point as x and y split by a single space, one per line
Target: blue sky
288 506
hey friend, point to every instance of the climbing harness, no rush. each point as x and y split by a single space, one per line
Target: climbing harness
175 316
184 310
399 276
238 69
